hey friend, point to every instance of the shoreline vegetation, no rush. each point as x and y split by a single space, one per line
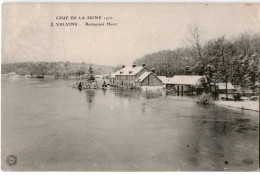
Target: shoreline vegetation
207 99
62 70
234 60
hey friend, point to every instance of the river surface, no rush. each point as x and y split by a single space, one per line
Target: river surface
51 126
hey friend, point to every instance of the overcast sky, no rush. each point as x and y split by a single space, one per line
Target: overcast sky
141 29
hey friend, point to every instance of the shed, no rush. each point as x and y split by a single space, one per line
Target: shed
149 79
186 83
231 90
186 80
222 86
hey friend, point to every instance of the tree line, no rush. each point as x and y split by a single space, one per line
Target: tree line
235 60
56 69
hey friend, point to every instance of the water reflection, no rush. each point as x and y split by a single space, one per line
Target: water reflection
143 107
90 94
150 95
244 126
126 93
104 91
135 93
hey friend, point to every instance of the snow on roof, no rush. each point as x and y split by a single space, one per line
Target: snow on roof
164 79
113 75
143 76
129 70
185 80
223 86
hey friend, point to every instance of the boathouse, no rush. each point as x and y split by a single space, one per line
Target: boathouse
185 84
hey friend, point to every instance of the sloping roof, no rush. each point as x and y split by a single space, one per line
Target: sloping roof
223 86
164 79
129 70
143 76
185 80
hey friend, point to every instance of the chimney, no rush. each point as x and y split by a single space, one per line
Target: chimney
123 66
153 70
143 65
134 65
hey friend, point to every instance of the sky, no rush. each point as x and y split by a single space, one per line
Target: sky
141 29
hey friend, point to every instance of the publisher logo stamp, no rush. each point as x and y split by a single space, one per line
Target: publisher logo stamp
11 160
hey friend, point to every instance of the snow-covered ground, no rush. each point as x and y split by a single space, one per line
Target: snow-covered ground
249 105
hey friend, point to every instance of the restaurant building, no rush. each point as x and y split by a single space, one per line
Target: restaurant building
134 77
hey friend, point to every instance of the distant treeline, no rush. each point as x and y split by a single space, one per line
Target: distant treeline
57 69
235 60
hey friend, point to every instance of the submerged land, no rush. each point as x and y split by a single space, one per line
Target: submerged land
116 129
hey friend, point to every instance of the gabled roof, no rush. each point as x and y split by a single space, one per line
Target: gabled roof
143 76
185 79
129 70
223 86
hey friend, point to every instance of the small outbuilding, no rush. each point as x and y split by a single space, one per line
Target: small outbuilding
231 90
148 79
185 83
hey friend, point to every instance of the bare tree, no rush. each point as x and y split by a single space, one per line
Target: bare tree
196 42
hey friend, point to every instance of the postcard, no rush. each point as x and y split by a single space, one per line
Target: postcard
130 87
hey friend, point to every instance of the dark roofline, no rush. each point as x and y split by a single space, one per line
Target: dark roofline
154 75
136 72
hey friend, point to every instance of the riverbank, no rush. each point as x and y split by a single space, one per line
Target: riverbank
244 105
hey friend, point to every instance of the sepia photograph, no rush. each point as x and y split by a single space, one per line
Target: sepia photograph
141 87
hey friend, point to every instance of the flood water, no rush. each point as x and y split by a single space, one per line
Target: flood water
50 126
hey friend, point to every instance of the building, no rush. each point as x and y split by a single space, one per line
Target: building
186 83
112 78
164 80
148 79
231 90
104 78
134 77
